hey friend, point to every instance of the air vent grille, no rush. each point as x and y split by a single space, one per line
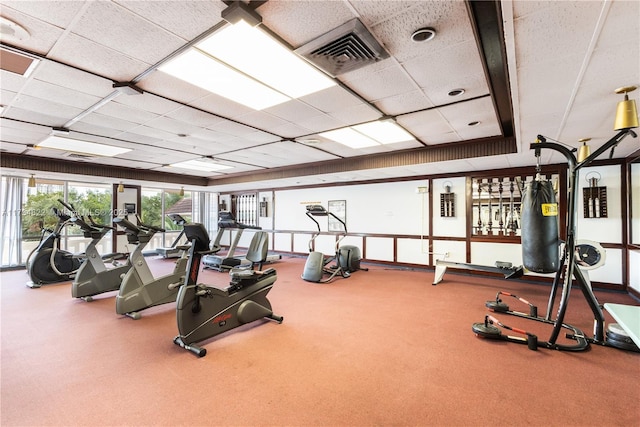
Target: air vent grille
72 155
346 48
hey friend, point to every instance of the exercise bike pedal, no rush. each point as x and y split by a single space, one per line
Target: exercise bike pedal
135 315
198 351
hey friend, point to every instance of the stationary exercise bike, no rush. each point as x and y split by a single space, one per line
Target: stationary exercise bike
139 289
93 276
47 263
347 257
205 311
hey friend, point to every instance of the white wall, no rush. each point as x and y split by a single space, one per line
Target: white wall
395 218
450 226
393 208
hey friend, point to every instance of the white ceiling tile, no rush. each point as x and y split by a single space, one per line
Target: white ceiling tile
195 117
185 18
172 88
401 103
148 102
460 115
113 125
383 83
428 126
71 78
43 36
221 106
458 67
278 154
377 12
356 114
302 21
59 95
10 147
449 18
172 126
552 32
294 111
95 58
128 33
332 99
125 112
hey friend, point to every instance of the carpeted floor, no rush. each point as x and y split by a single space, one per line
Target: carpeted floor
383 347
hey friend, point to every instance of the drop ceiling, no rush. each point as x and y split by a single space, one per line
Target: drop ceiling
526 67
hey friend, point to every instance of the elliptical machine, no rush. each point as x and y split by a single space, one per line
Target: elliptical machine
139 289
47 263
94 277
347 257
205 311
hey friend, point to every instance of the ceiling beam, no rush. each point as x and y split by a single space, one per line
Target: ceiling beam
434 153
486 20
35 163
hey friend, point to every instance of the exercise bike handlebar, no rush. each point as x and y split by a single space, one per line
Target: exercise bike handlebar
128 226
69 206
83 225
95 224
319 210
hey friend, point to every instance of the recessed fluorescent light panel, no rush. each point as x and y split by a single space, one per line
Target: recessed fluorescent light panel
369 134
200 69
83 147
349 137
385 132
248 66
201 165
254 52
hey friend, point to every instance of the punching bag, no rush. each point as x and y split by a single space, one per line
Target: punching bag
539 222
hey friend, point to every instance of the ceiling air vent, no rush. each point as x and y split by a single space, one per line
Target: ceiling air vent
82 156
346 48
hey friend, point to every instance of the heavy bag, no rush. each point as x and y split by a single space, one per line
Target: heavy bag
539 221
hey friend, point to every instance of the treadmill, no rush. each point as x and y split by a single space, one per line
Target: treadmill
227 221
173 251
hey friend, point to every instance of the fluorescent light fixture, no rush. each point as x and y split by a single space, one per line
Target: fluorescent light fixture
384 131
369 134
84 147
201 165
247 65
254 52
201 70
350 138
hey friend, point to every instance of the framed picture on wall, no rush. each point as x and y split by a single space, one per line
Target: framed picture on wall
339 209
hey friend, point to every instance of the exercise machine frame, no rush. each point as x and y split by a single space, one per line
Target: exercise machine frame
505 268
47 263
347 257
204 311
93 277
140 289
568 271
